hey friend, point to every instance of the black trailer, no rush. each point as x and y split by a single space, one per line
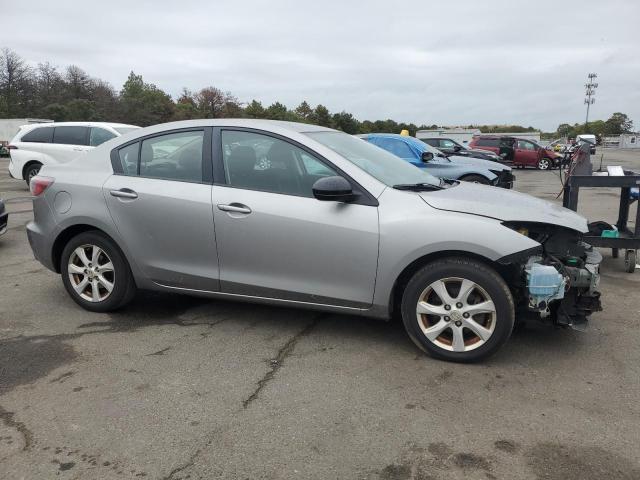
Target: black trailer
628 240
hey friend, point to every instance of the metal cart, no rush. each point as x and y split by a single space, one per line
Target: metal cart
628 240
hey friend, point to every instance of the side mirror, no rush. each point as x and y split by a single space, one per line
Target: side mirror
457 148
426 156
336 189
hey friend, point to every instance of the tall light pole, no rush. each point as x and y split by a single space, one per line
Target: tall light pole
590 93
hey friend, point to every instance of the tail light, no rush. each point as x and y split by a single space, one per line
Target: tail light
39 184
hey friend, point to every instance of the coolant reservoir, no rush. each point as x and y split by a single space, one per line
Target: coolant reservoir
545 284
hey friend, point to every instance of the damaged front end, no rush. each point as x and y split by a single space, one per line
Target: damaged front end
558 281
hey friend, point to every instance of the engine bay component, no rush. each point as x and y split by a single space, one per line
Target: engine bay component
544 284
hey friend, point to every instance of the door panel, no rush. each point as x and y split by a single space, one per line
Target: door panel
526 153
168 228
296 248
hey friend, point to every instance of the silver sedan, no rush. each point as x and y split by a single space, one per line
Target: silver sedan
298 215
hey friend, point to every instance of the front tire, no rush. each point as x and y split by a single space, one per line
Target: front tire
458 309
95 273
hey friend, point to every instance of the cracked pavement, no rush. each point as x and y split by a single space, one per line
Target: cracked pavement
175 387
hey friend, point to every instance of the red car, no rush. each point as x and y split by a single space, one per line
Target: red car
518 151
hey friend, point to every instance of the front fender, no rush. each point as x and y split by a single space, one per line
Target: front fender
409 232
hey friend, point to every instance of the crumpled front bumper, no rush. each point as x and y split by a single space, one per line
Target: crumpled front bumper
577 296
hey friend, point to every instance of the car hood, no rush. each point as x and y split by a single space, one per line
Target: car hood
478 162
503 204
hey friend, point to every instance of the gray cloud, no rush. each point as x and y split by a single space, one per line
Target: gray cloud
425 62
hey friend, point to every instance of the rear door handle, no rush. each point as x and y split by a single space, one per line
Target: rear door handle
234 207
124 193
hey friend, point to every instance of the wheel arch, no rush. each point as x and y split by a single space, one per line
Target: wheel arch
467 175
29 164
73 230
395 300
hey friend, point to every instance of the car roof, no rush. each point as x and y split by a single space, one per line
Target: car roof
79 124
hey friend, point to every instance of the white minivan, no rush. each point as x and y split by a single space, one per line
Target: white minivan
52 143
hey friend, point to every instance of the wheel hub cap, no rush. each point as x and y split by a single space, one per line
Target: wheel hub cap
456 314
91 273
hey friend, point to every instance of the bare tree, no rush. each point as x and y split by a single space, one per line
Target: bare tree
15 84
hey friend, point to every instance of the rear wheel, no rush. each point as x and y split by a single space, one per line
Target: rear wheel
31 171
95 273
544 164
458 310
476 179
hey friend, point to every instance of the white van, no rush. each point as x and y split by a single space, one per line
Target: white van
588 138
53 143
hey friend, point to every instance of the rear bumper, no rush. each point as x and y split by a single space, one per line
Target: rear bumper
40 245
14 171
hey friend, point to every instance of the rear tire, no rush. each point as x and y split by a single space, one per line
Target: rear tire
31 171
476 179
448 328
95 273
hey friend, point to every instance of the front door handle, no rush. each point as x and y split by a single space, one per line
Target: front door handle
234 207
124 193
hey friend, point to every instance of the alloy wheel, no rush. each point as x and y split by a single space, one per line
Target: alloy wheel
543 164
456 314
91 273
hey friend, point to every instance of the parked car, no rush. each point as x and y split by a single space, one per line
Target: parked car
518 151
438 164
41 144
4 218
449 146
590 139
320 220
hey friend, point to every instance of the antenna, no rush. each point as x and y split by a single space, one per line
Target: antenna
590 93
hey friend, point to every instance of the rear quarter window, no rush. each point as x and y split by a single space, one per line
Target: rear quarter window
38 135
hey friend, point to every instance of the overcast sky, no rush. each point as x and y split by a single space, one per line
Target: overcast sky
445 62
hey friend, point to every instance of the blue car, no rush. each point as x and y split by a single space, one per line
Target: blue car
439 165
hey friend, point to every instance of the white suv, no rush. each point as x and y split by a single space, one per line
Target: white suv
52 143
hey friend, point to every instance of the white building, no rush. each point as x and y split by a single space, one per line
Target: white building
464 136
626 140
9 126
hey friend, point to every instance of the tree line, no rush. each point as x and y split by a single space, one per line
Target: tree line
71 94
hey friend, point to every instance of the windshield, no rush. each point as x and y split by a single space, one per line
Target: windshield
123 130
377 162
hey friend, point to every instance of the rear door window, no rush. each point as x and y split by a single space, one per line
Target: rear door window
99 136
70 135
38 135
174 156
488 142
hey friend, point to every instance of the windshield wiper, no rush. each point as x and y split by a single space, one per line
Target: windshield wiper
417 187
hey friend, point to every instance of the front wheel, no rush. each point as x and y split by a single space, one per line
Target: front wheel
544 164
458 309
95 273
476 179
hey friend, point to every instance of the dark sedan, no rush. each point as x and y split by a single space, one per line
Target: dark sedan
452 147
